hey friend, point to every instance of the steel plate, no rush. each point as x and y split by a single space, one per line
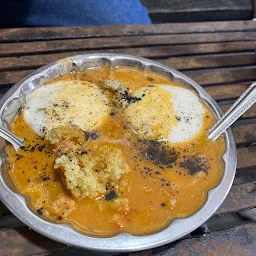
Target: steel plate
122 242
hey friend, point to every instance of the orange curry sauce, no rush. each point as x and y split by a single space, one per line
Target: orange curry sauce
157 193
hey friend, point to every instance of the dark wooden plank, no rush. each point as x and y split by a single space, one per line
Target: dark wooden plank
183 11
245 135
211 61
251 113
241 196
254 8
7 49
181 63
240 240
213 77
35 61
196 5
246 158
12 77
23 242
50 33
227 92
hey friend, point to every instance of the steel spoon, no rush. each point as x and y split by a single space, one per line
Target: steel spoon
12 138
245 101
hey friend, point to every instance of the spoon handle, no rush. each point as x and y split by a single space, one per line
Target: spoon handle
10 137
246 100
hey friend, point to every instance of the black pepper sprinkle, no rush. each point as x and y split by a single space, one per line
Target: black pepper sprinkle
194 164
32 149
41 147
45 178
25 148
19 156
163 204
158 154
129 98
91 135
110 195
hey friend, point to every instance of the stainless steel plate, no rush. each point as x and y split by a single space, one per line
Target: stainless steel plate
122 242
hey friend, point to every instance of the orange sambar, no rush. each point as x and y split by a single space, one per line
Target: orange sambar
157 194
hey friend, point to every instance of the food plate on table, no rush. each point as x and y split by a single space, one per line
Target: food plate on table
116 154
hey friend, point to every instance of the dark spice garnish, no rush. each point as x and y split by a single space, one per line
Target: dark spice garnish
32 149
40 210
91 135
129 98
59 218
163 204
28 180
194 164
150 79
157 153
41 147
110 195
177 118
146 172
19 156
25 148
45 178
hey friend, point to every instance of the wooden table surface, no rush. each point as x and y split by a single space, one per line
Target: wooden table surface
220 56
